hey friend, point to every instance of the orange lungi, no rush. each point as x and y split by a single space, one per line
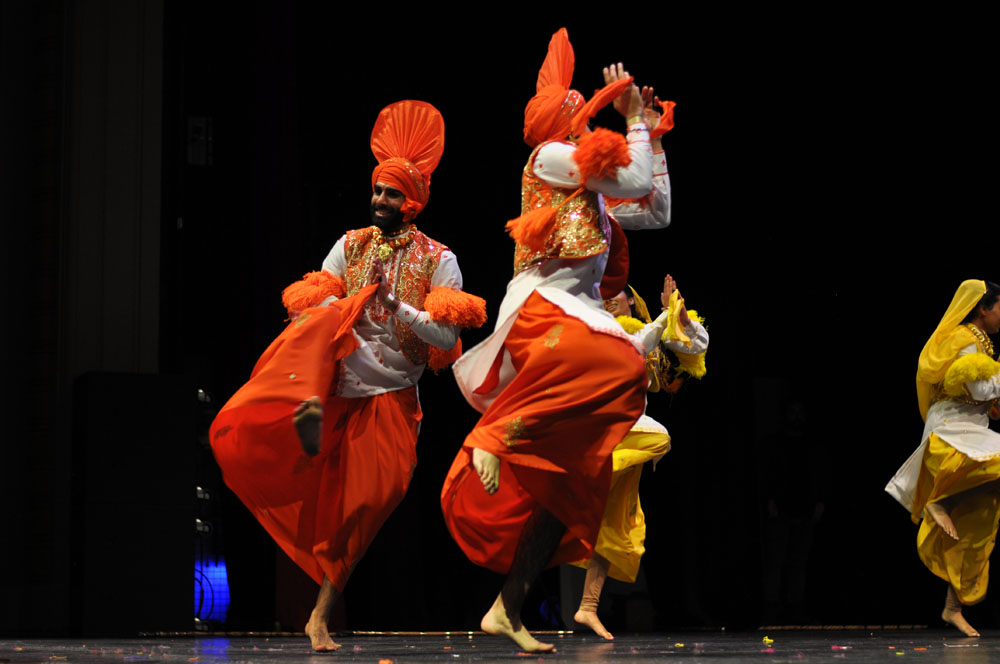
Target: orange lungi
323 511
554 426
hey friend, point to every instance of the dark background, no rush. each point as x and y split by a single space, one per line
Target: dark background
831 189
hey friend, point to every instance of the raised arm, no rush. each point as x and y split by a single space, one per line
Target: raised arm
652 210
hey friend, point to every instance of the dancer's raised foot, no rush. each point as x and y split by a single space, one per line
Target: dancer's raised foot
956 619
487 466
496 622
320 636
308 420
590 619
943 519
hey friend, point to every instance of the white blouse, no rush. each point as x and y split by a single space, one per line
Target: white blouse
964 426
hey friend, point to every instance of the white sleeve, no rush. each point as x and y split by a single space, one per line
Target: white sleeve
554 163
698 335
650 335
986 389
652 210
440 334
335 263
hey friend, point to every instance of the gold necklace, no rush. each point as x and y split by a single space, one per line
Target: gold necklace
386 245
981 337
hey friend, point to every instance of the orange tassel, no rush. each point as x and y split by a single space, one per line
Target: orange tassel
440 358
601 153
455 307
313 288
666 122
533 228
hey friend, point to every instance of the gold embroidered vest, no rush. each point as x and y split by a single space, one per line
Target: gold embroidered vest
581 231
419 258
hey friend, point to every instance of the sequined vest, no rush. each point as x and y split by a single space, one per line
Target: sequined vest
418 260
581 230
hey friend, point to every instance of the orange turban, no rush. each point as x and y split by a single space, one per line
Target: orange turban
556 111
408 140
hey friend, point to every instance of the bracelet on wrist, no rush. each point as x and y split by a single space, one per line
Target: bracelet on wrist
634 119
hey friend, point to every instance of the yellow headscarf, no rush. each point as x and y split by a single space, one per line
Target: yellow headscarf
948 339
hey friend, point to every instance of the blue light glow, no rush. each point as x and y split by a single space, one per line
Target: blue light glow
211 590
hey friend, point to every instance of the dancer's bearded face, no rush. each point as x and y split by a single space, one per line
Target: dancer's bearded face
386 204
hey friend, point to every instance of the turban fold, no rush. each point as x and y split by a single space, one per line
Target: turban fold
407 141
556 111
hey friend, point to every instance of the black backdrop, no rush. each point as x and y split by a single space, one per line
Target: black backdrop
830 173
825 207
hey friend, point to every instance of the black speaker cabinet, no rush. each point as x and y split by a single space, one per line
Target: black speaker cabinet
134 443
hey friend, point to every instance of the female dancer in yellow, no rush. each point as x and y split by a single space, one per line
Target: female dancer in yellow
620 544
949 481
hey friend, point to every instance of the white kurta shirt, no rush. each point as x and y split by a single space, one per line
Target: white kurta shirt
379 365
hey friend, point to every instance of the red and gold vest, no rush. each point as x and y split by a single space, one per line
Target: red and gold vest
581 231
419 258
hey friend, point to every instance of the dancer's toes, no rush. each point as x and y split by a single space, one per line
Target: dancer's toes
496 622
320 636
958 620
308 420
943 519
487 466
590 619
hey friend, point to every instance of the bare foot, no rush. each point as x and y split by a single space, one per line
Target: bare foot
487 466
308 420
590 619
958 620
320 636
943 519
496 622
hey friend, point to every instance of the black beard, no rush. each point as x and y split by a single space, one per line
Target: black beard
390 224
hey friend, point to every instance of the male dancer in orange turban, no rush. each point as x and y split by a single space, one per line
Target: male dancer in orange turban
321 443
559 382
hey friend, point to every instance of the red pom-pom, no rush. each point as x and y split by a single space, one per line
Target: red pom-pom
311 290
601 153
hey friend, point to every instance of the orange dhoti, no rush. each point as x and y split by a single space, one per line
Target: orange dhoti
575 395
323 511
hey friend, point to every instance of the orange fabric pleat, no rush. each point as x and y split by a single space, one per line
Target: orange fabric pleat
322 511
575 396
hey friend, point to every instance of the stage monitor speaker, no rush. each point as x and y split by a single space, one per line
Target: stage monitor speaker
134 441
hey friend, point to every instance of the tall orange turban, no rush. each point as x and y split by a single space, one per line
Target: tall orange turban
556 111
408 140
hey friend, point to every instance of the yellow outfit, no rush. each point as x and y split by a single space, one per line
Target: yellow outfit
965 563
623 529
957 380
622 537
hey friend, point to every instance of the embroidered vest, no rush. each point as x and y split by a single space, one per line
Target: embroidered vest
411 276
581 230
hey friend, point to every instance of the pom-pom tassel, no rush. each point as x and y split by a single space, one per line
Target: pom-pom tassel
601 153
311 290
455 307
533 228
440 358
967 369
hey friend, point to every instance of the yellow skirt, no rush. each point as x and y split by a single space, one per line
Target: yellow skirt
947 474
623 528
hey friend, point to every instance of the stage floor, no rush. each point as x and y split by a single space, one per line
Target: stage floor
719 646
